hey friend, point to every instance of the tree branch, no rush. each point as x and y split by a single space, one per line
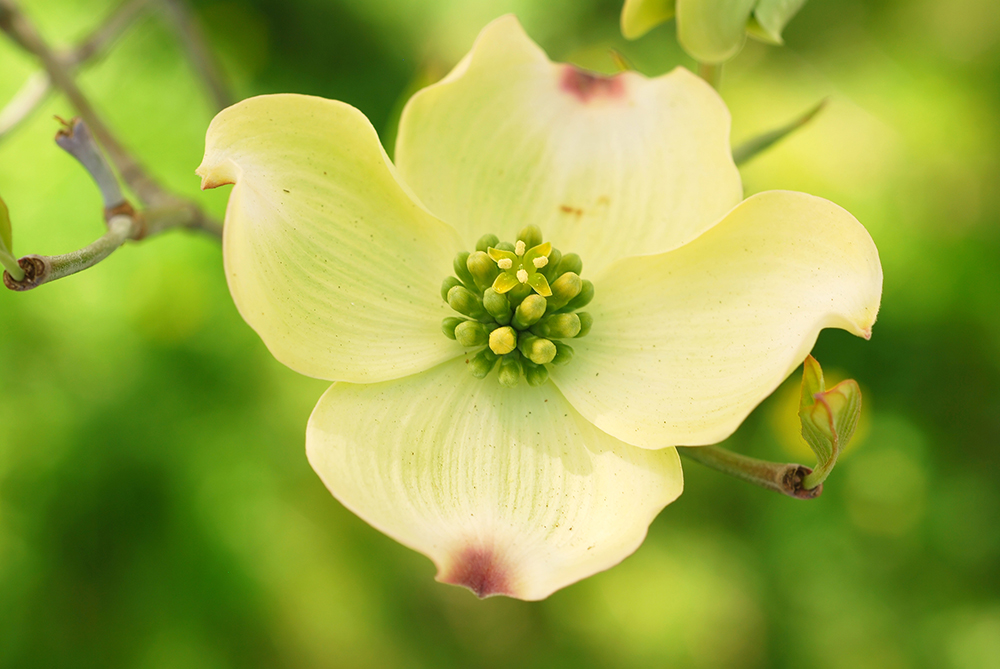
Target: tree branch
42 269
38 86
23 32
202 59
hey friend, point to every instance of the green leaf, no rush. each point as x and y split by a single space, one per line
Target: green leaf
761 143
7 259
5 232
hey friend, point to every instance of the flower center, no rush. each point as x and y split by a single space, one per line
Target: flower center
518 302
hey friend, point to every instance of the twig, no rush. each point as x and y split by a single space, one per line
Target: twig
75 139
42 269
38 86
784 478
201 56
108 32
19 28
30 96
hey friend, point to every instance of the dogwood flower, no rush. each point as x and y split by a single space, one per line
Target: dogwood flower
530 188
711 30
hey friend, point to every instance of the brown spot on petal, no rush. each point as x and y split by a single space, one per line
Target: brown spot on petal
587 86
479 570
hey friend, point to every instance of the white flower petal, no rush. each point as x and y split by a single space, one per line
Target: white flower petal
508 491
607 167
685 344
327 256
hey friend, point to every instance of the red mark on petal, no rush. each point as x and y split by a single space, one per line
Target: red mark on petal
479 570
587 86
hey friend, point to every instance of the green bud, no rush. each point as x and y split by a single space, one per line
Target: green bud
558 326
509 373
586 322
583 299
497 305
564 353
448 326
471 333
537 349
486 241
549 271
464 301
518 293
564 289
570 262
535 374
446 285
505 246
531 235
482 363
503 340
461 267
828 418
483 269
531 309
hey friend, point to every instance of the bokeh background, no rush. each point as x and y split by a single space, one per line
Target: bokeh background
156 506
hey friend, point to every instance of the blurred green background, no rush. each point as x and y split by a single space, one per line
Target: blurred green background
156 507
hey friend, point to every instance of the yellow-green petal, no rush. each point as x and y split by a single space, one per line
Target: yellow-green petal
641 16
685 344
773 15
713 31
508 491
607 167
327 255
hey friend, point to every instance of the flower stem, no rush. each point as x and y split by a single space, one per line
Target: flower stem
788 479
712 73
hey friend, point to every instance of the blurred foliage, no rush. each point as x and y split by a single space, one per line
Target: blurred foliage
156 507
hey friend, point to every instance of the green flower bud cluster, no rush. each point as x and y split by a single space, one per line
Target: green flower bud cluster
517 322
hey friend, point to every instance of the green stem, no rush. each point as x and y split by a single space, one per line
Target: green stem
818 475
9 262
788 479
42 269
712 73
